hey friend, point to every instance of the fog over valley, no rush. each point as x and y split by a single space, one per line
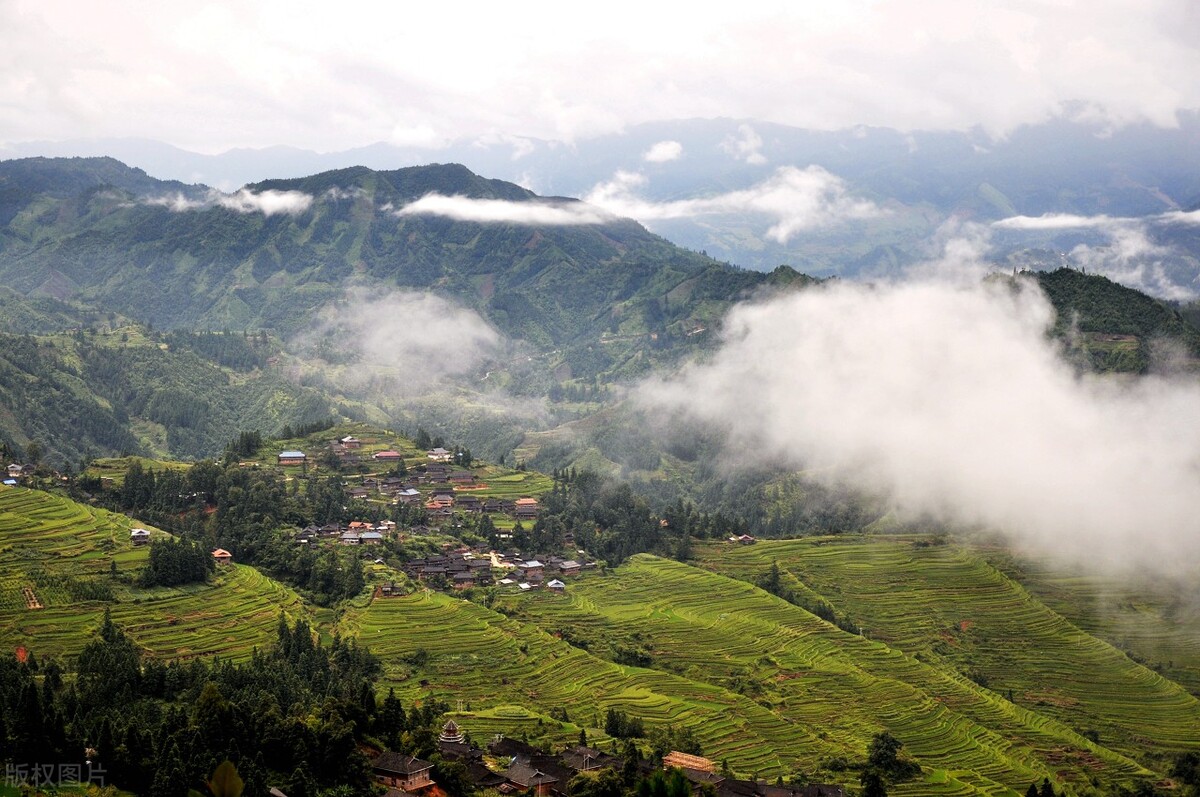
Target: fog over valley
774 399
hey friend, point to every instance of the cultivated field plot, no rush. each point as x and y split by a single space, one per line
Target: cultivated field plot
1155 619
509 485
814 676
436 645
229 617
39 530
48 543
947 605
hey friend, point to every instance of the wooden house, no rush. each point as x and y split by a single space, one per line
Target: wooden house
291 458
403 772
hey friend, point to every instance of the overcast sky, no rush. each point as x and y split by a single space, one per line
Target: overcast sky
329 76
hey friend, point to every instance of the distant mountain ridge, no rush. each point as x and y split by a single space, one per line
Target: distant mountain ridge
922 177
96 231
90 246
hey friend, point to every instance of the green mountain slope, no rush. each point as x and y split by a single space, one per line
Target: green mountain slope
762 684
84 395
948 606
212 266
64 551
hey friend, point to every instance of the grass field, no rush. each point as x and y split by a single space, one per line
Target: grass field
51 544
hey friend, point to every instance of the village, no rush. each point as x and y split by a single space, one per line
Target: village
512 766
441 496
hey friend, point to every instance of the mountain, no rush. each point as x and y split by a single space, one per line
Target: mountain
127 264
922 178
98 232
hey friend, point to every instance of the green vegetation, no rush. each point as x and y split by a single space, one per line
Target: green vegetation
946 605
1111 327
1004 693
78 561
294 714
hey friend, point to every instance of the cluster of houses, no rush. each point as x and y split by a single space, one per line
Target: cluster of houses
450 486
349 451
463 569
529 770
17 472
358 532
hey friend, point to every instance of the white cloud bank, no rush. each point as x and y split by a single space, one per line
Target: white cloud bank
268 203
663 152
224 74
500 211
952 399
1060 221
795 199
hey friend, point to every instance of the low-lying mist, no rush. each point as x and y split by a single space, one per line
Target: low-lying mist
952 399
423 360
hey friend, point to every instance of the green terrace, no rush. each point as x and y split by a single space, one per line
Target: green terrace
946 605
841 687
62 551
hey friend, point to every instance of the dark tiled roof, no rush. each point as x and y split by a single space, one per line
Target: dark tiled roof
512 748
528 776
399 763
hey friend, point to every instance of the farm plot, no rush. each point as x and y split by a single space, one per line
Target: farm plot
946 604
813 675
435 645
39 530
51 546
1155 619
231 616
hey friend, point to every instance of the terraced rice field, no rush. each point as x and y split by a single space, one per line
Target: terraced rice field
813 675
948 606
53 540
491 661
1155 619
511 485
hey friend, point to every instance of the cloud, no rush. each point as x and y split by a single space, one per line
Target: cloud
401 343
500 211
221 74
1070 221
337 194
177 202
663 151
1130 256
1060 221
1133 260
746 146
953 400
795 199
1181 217
267 203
